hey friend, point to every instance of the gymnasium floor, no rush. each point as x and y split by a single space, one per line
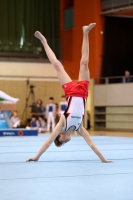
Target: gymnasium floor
71 172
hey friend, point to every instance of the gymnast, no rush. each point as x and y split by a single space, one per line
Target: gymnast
76 93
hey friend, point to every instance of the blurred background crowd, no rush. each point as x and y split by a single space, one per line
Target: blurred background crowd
43 117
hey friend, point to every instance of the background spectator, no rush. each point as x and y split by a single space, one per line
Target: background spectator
38 108
63 105
34 124
128 78
42 127
50 113
57 117
14 120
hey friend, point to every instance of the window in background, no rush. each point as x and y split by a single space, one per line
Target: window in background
22 37
69 18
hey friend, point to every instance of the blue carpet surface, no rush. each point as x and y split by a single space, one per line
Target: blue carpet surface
71 172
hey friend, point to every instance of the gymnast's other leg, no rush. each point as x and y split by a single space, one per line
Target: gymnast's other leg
84 73
61 73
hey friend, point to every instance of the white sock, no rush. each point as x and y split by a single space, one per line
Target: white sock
5 96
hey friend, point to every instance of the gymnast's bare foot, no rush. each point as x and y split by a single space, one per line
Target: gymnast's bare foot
86 29
38 35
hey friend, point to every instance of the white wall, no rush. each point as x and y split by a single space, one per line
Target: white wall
26 69
113 95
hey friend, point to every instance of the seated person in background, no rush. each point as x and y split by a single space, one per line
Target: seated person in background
33 123
63 105
57 116
14 120
42 127
38 108
128 78
50 113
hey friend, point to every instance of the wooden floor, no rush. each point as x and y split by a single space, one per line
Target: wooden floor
108 133
111 133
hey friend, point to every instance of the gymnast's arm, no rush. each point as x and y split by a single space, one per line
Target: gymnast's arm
45 146
83 132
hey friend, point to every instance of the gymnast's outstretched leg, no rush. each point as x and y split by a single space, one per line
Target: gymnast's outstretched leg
84 73
4 96
61 73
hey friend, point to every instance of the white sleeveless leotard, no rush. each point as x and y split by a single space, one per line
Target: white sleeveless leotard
75 112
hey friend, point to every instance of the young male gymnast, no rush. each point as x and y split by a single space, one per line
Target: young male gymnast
76 93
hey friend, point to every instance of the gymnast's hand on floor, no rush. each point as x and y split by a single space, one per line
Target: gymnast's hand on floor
35 159
106 161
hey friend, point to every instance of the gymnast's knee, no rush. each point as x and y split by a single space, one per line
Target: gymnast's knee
84 62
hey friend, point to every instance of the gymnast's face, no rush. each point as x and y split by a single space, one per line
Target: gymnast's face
64 138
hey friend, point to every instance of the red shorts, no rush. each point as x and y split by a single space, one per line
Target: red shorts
76 89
